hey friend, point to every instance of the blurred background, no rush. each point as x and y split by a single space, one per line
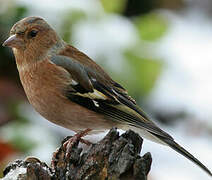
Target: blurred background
160 50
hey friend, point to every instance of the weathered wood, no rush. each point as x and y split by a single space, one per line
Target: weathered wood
114 157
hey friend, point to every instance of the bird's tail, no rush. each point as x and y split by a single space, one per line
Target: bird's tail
171 143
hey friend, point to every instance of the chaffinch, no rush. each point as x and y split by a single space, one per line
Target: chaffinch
69 89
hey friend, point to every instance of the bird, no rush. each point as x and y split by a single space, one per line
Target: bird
71 90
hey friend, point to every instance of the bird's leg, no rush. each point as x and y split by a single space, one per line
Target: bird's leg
68 144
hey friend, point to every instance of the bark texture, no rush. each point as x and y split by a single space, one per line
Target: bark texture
115 157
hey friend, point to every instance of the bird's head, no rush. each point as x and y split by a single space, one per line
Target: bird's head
32 36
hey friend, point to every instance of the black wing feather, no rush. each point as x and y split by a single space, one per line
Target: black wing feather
118 106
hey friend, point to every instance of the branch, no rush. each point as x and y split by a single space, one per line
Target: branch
114 157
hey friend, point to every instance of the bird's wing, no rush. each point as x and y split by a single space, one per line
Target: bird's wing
95 91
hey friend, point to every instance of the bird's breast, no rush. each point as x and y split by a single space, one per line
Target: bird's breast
44 84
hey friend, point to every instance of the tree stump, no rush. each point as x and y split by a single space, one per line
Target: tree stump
115 157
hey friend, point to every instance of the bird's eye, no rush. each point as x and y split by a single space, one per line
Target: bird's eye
32 33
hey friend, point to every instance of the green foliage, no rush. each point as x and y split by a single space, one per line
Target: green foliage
151 26
12 15
19 139
143 75
69 20
16 130
20 11
113 6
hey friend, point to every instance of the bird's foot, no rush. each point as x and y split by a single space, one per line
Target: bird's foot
54 159
68 144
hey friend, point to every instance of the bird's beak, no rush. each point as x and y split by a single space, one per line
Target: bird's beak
13 41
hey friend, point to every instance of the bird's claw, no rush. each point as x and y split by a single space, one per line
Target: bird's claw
68 144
